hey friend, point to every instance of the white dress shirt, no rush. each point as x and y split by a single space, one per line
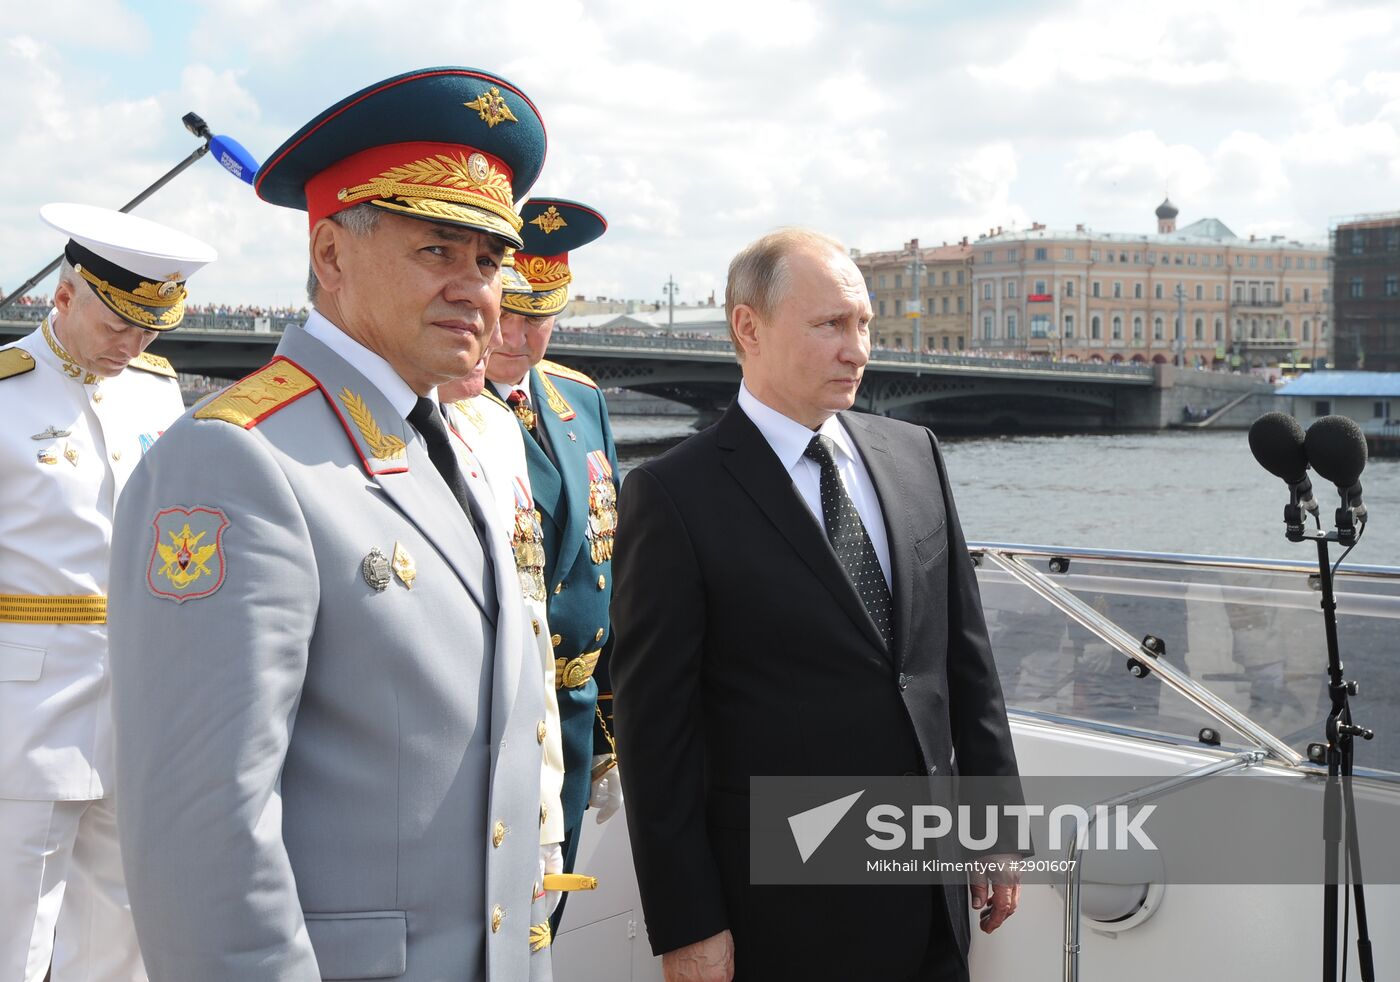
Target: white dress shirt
372 366
789 440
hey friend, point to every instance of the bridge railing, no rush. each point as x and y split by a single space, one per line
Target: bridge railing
619 341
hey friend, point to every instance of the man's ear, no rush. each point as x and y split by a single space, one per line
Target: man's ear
746 328
63 297
327 254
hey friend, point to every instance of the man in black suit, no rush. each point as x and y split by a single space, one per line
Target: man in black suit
793 596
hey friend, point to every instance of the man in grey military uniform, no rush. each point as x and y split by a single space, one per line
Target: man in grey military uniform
325 720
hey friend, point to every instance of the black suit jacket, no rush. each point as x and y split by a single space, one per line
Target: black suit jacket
741 649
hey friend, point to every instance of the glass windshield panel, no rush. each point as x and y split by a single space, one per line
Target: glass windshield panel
1254 637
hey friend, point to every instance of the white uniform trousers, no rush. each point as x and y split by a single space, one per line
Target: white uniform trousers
63 895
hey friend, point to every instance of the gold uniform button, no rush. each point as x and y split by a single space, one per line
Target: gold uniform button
557 640
558 588
497 915
535 623
97 397
116 455
544 813
602 581
498 834
540 731
599 635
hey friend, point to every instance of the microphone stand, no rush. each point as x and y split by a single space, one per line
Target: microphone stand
1339 799
195 126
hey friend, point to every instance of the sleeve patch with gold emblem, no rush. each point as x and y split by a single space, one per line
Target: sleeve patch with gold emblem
187 560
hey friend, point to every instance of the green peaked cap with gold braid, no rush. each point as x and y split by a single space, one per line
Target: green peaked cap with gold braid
551 228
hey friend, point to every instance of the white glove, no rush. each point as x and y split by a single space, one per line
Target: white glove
551 861
607 791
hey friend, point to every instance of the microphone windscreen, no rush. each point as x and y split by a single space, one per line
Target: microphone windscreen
233 158
1276 440
1336 448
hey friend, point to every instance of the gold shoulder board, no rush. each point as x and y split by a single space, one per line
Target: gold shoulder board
559 371
147 362
15 361
248 402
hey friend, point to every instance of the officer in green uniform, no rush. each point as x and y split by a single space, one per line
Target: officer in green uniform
573 473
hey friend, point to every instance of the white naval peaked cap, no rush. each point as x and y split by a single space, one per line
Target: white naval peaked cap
136 266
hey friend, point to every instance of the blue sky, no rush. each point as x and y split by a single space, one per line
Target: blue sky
695 127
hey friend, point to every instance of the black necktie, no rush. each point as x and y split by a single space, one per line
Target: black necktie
851 541
427 420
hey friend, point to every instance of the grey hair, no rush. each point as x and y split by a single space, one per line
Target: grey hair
360 220
758 275
68 274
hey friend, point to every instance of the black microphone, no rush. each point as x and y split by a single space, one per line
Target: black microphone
1276 440
1336 447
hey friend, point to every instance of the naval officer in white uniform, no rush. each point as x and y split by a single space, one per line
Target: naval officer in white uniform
80 402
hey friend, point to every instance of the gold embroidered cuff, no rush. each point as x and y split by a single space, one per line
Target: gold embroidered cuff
18 608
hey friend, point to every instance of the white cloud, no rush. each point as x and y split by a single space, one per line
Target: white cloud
697 127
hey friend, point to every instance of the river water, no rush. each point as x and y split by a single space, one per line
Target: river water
1197 492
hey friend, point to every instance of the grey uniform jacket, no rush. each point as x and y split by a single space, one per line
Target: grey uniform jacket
331 763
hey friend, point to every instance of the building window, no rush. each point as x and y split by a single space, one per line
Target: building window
1137 291
1093 255
1253 262
882 308
1011 255
1094 288
1011 289
1219 259
899 308
1112 256
960 279
1287 328
882 281
1157 329
1288 294
1239 261
1219 330
1069 325
987 289
960 342
1358 245
1117 289
1137 328
1307 294
1220 291
1157 291
1191 259
1041 255
1069 255
948 277
1040 287
945 305
898 281
1069 288
1040 326
1011 325
1117 328
960 305
1268 262
1095 328
1200 329
1392 239
1307 331
987 327
1382 409
1357 290
1322 407
1239 293
1392 285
